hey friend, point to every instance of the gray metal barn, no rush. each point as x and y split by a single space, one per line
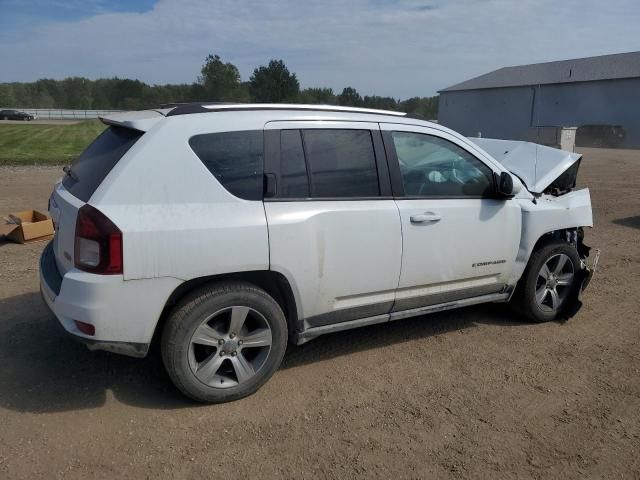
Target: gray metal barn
601 95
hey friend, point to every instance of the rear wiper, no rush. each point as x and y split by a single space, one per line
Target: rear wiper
67 170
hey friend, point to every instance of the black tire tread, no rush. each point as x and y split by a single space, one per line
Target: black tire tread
524 297
178 319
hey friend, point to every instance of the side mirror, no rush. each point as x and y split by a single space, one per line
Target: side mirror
504 185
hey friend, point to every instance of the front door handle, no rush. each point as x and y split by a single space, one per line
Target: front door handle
426 217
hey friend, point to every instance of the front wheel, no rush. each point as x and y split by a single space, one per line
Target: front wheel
222 343
549 283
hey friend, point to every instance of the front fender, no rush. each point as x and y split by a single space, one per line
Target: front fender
547 214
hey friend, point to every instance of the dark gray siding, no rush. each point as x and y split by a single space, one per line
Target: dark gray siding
497 113
508 112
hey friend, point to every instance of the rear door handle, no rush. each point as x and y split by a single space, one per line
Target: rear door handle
426 217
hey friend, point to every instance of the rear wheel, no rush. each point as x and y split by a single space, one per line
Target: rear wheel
549 282
224 342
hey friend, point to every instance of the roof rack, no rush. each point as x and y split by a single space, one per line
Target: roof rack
185 104
187 108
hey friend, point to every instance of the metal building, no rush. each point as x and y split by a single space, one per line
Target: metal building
599 95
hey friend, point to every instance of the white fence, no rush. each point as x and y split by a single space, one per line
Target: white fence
64 114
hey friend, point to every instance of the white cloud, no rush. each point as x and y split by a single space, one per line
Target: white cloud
400 48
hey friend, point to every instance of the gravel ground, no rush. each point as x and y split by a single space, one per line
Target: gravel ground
473 393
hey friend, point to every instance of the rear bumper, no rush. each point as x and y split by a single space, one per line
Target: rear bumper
123 313
138 350
50 287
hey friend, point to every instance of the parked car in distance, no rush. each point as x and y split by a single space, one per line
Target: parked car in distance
226 231
15 115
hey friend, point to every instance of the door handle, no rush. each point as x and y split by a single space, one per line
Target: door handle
426 217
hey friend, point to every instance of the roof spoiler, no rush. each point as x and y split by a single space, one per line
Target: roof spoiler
141 120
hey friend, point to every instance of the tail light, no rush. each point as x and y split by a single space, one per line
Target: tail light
98 243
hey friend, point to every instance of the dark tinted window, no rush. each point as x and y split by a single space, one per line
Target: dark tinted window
235 159
294 182
342 163
90 169
435 167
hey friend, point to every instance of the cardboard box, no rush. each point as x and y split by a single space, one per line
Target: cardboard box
27 226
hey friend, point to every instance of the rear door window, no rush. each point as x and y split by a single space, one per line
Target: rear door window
236 159
342 163
90 169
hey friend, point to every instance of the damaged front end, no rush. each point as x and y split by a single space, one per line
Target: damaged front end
543 170
589 263
554 210
588 266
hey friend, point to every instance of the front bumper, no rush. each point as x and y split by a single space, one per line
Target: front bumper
84 299
590 270
586 274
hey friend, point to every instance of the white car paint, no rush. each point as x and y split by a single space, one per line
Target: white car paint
114 306
436 254
549 214
312 242
179 224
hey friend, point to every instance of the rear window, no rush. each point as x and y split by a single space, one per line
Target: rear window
90 169
235 159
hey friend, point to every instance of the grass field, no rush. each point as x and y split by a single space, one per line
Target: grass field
29 143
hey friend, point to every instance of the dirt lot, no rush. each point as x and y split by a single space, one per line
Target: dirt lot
474 393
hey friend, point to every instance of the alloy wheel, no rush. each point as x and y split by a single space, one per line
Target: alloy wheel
554 282
230 347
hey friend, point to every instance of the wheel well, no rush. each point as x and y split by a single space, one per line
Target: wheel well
573 236
274 283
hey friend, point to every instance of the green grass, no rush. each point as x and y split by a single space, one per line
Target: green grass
29 143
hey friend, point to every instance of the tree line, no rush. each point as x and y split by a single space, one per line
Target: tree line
218 81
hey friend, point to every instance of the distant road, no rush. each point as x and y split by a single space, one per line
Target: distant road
42 122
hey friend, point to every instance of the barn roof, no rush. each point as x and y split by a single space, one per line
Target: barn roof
603 67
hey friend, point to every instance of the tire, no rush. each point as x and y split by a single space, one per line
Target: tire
543 299
207 359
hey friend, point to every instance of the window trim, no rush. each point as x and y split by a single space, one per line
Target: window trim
272 163
397 183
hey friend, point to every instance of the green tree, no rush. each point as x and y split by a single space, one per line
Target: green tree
317 96
350 98
273 83
221 81
425 107
7 99
218 81
382 103
74 92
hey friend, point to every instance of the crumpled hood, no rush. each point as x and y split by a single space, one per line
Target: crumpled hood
537 165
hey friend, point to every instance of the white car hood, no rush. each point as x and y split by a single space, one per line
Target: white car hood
536 165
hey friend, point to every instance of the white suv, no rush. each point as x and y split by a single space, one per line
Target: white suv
228 230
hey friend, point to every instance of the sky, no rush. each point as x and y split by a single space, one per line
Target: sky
398 48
